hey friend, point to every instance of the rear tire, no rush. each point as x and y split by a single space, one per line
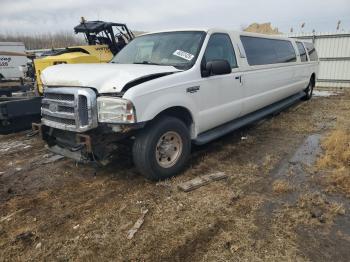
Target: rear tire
308 91
162 149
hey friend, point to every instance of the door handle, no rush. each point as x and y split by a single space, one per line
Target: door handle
239 78
193 89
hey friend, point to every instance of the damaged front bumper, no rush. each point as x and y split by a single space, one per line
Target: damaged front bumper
96 145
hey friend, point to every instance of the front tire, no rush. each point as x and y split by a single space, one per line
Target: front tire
162 149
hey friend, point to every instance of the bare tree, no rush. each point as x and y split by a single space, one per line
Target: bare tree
44 41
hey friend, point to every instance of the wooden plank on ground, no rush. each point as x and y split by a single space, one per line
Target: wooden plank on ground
201 181
137 224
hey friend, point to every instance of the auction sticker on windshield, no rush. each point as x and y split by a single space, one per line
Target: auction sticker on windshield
184 55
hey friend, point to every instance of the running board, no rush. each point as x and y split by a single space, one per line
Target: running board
217 132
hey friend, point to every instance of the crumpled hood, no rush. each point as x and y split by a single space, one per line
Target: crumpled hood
106 78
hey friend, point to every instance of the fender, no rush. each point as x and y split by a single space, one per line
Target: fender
148 111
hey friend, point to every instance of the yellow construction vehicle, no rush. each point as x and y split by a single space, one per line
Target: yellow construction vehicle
104 40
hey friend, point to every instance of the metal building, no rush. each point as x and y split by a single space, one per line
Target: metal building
334 52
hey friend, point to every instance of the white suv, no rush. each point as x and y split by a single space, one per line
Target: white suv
167 90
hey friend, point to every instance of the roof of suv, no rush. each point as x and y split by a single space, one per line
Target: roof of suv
209 30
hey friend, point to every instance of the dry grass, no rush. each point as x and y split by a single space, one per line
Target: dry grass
312 209
268 164
329 209
296 123
336 160
281 186
337 150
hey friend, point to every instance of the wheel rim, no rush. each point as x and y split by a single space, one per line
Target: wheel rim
169 149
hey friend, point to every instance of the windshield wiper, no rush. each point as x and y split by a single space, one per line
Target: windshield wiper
146 63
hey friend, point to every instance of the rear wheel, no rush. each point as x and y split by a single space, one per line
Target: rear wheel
162 149
309 90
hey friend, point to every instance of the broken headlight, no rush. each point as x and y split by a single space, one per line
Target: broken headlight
115 110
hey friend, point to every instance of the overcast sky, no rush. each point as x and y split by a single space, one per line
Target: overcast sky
37 16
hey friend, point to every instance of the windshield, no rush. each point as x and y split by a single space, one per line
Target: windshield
179 49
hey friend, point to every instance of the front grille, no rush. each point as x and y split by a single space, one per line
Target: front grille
83 110
59 97
72 109
66 109
69 122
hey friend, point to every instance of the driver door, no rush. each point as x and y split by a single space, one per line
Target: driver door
221 95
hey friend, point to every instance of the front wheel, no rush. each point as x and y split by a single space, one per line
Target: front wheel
162 149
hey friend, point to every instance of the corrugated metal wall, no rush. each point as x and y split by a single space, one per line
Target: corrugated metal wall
334 52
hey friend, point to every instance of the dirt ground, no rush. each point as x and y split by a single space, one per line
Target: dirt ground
278 203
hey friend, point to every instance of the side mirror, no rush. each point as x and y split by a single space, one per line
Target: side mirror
216 67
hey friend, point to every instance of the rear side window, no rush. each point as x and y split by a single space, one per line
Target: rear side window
312 51
302 52
220 48
262 51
